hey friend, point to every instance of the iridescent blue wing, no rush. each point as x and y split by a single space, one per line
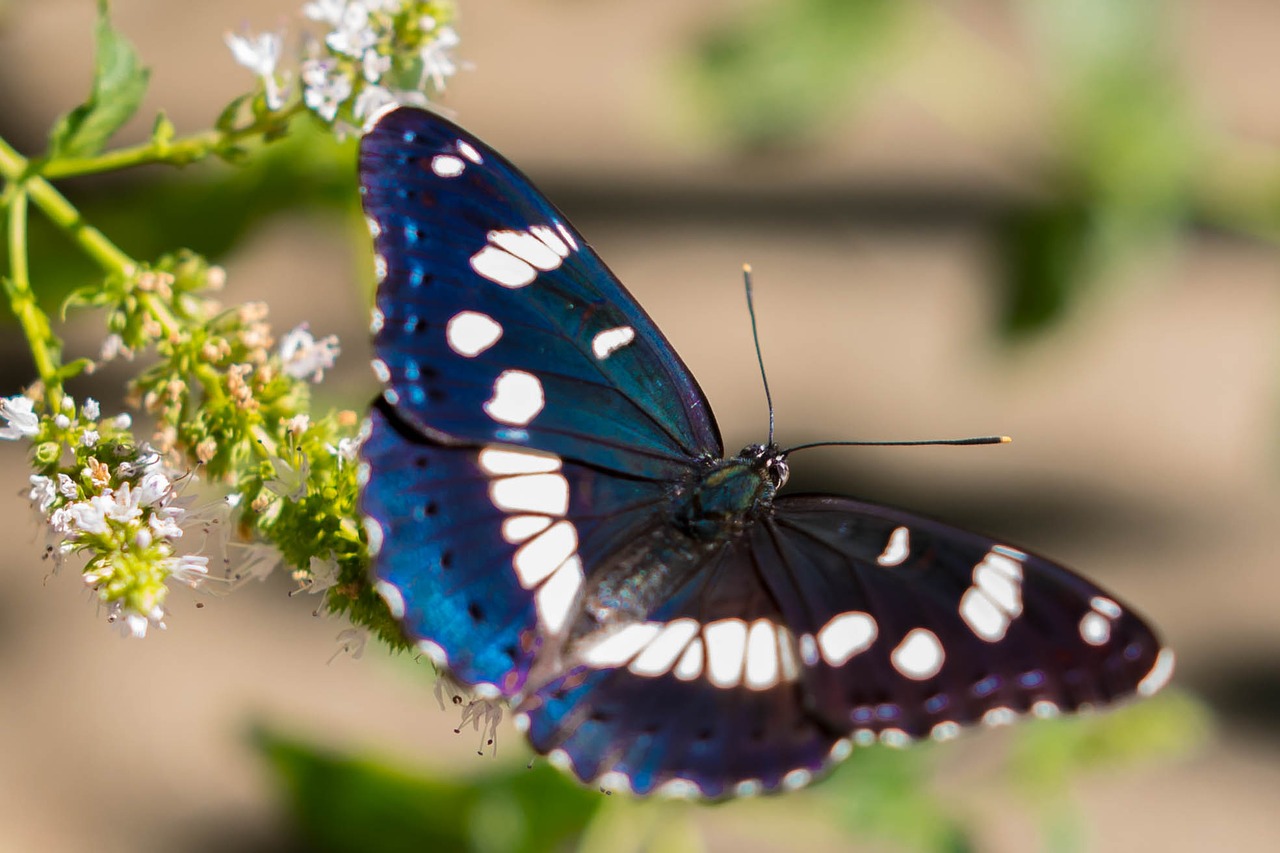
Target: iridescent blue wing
481 551
829 623
496 322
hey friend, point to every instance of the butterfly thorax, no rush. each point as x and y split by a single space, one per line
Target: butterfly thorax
731 492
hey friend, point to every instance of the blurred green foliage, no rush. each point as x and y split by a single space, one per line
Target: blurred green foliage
1129 160
880 794
343 804
207 208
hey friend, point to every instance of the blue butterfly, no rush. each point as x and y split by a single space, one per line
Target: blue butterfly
553 519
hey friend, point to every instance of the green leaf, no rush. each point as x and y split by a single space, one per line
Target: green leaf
1046 258
771 75
345 804
119 82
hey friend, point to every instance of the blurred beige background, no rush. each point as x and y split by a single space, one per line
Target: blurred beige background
1145 428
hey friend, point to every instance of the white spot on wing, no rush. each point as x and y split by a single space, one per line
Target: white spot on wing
379 268
919 655
467 150
982 616
808 649
381 370
518 528
1095 629
549 236
897 549
391 595
375 230
373 534
547 494
1105 606
726 641
1158 677
502 267
470 333
787 662
664 650
517 398
447 166
845 636
537 559
434 652
527 248
797 778
376 321
556 597
497 460
762 655
690 665
622 645
681 789
568 238
606 343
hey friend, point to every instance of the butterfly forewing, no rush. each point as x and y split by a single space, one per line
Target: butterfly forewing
496 322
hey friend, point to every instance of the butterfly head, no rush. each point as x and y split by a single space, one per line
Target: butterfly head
770 461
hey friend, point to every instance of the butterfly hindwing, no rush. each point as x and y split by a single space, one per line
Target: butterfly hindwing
496 322
832 622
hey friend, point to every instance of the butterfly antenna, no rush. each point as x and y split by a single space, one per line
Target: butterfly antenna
755 334
985 439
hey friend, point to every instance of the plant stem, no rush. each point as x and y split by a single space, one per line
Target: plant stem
16 169
45 348
174 152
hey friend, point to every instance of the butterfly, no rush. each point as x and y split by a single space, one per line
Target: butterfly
552 517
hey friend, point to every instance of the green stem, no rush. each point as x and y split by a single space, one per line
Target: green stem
16 169
174 152
45 348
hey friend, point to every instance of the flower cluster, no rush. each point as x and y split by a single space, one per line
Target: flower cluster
101 494
373 53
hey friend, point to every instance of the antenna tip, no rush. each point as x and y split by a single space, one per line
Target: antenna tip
1005 439
746 267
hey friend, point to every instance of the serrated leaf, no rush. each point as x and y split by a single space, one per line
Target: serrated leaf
119 82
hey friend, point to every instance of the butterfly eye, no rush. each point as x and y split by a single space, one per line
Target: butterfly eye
779 472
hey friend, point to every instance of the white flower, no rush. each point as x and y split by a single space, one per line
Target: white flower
306 358
121 506
252 561
91 410
155 488
352 642
324 90
112 347
122 421
132 623
370 100
353 35
260 54
86 516
437 64
20 413
191 569
164 524
67 487
43 493
375 65
346 449
319 577
326 11
89 437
